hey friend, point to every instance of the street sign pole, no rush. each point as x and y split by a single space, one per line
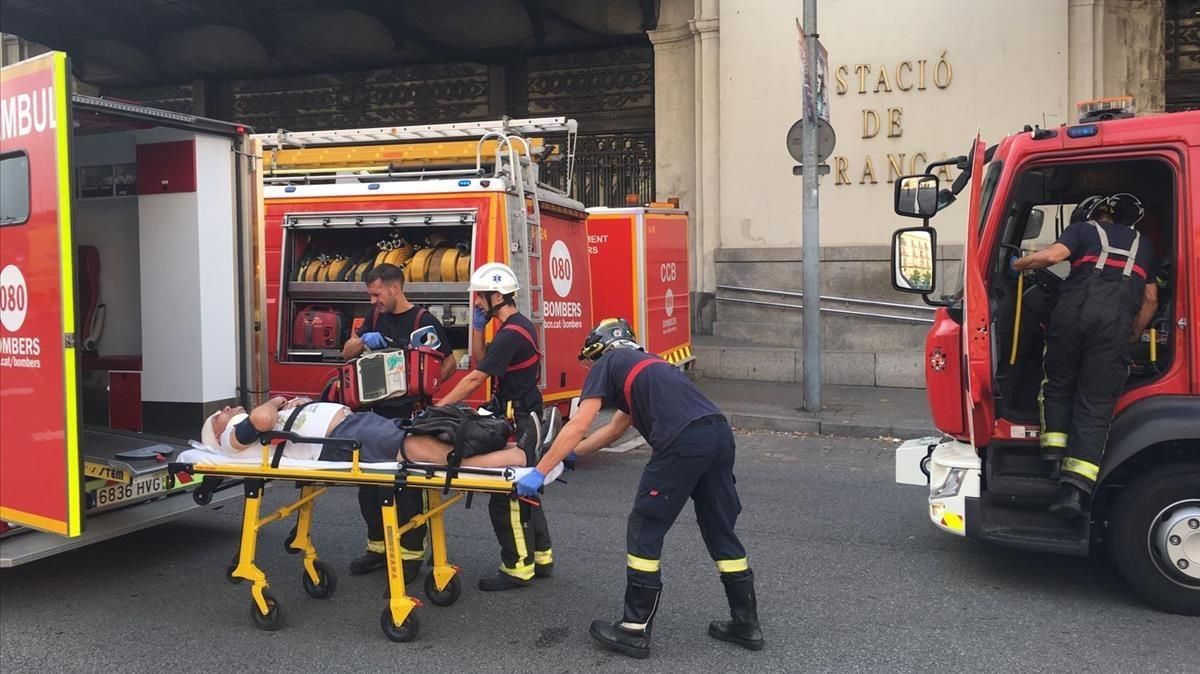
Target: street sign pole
812 223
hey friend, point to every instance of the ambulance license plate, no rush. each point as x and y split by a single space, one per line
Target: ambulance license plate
142 487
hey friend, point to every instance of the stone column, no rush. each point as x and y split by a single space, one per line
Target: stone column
1115 48
687 133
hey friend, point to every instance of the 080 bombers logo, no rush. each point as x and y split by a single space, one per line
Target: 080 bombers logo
559 315
16 351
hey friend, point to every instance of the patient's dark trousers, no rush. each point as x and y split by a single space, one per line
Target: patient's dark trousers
1086 367
521 529
698 464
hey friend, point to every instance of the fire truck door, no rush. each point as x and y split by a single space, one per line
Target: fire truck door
977 339
40 464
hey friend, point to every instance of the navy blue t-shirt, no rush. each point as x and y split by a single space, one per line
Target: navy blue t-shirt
508 348
665 401
1084 243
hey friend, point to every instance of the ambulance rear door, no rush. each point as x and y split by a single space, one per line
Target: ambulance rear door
40 466
665 310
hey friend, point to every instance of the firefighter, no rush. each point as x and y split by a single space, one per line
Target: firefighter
692 455
390 326
1103 304
512 361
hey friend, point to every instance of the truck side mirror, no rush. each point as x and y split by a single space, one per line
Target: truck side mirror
917 196
913 257
1033 225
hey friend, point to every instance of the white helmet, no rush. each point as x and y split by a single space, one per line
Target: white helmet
494 277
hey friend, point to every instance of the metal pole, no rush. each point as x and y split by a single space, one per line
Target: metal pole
812 223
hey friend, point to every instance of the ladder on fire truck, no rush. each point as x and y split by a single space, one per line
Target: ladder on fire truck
356 154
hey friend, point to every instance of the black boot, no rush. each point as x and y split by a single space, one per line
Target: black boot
743 630
370 561
500 582
1068 503
630 636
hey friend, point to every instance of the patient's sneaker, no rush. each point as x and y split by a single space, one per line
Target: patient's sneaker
531 440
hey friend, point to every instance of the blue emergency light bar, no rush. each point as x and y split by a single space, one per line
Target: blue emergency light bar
1084 131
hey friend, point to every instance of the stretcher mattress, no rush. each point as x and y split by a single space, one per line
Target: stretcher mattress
253 457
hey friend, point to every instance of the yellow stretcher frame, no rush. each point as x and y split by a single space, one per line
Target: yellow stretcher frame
398 621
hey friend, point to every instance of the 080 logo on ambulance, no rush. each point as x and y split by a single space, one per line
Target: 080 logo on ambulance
14 298
561 273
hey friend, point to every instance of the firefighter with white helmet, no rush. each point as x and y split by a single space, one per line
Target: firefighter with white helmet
512 362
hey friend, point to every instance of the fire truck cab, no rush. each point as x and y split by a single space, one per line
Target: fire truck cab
986 476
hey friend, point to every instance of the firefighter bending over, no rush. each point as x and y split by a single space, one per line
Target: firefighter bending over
692 456
1103 304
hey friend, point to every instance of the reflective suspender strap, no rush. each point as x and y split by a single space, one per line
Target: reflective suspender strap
528 362
1105 249
633 373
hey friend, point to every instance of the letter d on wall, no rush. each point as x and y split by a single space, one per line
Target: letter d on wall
870 123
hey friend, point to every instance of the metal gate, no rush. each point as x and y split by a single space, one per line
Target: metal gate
611 169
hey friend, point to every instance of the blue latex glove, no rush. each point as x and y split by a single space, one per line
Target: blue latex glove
1012 266
374 340
478 318
530 483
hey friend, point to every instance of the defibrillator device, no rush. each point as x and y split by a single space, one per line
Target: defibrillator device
384 375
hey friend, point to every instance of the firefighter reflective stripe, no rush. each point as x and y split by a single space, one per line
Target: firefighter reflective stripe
523 569
378 547
732 565
1086 469
543 557
642 564
406 554
1052 439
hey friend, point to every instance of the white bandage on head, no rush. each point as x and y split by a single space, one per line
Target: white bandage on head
209 437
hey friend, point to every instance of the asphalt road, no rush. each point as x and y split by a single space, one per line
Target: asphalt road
850 577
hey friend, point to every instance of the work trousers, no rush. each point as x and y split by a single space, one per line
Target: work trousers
697 464
1085 369
521 529
409 504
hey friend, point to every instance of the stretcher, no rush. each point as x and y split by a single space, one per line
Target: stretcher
398 620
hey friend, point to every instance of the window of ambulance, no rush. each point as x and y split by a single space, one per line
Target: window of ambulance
14 189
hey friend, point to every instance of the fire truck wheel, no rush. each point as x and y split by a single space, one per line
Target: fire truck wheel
273 620
325 587
1155 537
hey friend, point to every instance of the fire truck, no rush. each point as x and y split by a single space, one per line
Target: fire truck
437 201
127 304
983 367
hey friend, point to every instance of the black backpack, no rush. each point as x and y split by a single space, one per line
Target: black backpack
459 425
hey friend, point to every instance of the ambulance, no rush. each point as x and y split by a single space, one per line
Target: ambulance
437 201
128 309
986 478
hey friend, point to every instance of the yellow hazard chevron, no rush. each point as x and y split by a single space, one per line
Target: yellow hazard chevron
678 356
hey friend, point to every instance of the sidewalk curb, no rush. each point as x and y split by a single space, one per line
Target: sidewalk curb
831 427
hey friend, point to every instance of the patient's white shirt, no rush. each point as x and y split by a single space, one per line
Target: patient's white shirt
312 420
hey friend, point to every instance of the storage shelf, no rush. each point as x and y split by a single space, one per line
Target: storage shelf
356 291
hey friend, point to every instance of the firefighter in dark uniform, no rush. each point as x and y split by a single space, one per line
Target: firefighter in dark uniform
1103 305
390 326
692 456
513 361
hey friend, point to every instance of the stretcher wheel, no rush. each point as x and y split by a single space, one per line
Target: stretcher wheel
402 634
273 620
328 582
445 597
287 543
229 569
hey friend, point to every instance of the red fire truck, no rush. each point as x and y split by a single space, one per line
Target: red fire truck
437 200
126 313
986 477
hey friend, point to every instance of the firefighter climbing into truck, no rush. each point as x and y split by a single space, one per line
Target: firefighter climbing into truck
1008 414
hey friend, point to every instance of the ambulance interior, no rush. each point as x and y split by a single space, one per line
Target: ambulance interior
1036 213
152 205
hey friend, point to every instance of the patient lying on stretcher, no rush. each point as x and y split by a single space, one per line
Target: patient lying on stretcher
232 431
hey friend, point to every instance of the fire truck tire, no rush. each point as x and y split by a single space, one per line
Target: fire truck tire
273 620
1150 540
324 588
